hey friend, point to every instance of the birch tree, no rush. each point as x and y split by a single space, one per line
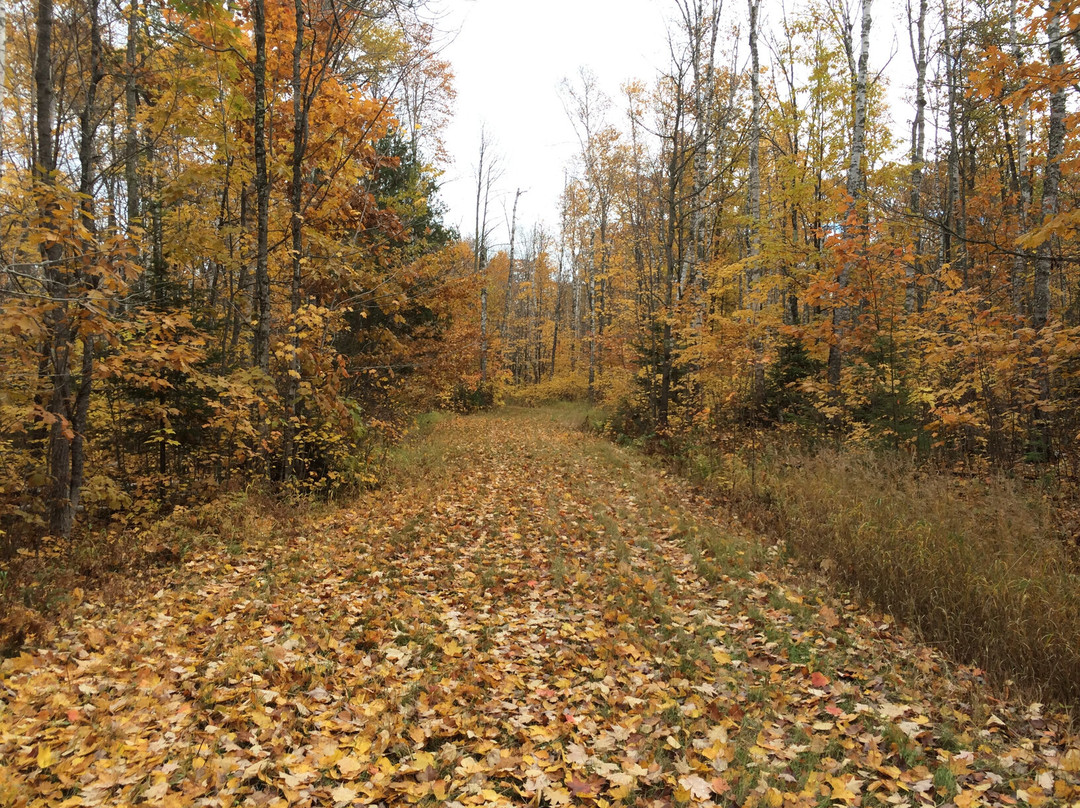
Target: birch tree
840 310
917 38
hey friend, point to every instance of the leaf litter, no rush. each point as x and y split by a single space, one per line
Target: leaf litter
537 619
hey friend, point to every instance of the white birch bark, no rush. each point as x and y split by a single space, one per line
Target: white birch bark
854 188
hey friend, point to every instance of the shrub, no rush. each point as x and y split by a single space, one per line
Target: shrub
972 563
560 389
466 398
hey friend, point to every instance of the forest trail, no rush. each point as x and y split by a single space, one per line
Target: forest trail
524 615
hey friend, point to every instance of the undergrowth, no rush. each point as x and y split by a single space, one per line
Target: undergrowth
563 389
40 588
973 563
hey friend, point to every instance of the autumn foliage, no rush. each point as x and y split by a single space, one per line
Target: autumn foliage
864 334
742 250
163 333
225 288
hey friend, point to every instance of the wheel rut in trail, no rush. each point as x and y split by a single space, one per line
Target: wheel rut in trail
526 615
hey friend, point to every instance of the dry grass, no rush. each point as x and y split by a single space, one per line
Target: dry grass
974 564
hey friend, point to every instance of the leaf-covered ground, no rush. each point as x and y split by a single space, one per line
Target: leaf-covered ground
524 616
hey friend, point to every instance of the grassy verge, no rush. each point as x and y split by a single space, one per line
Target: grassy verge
423 452
974 564
40 588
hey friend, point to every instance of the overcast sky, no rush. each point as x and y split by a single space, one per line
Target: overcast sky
510 56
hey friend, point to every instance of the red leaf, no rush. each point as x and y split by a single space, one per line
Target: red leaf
583 788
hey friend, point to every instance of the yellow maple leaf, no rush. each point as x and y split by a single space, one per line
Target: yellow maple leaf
840 790
967 799
45 756
349 766
262 719
556 795
1071 761
343 795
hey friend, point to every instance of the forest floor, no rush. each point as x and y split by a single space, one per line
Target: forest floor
523 615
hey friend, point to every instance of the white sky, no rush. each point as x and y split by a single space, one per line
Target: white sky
510 56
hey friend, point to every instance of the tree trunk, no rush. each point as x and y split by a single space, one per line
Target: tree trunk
556 318
918 153
952 162
754 272
1018 280
80 407
510 279
46 100
87 124
538 313
702 28
601 301
3 77
592 336
483 193
754 181
292 384
261 346
510 271
575 318
1055 147
854 187
242 313
57 283
131 135
483 335
663 402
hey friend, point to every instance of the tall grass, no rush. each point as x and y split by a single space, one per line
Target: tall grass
974 564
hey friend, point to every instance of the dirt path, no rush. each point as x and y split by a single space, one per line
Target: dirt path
525 616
